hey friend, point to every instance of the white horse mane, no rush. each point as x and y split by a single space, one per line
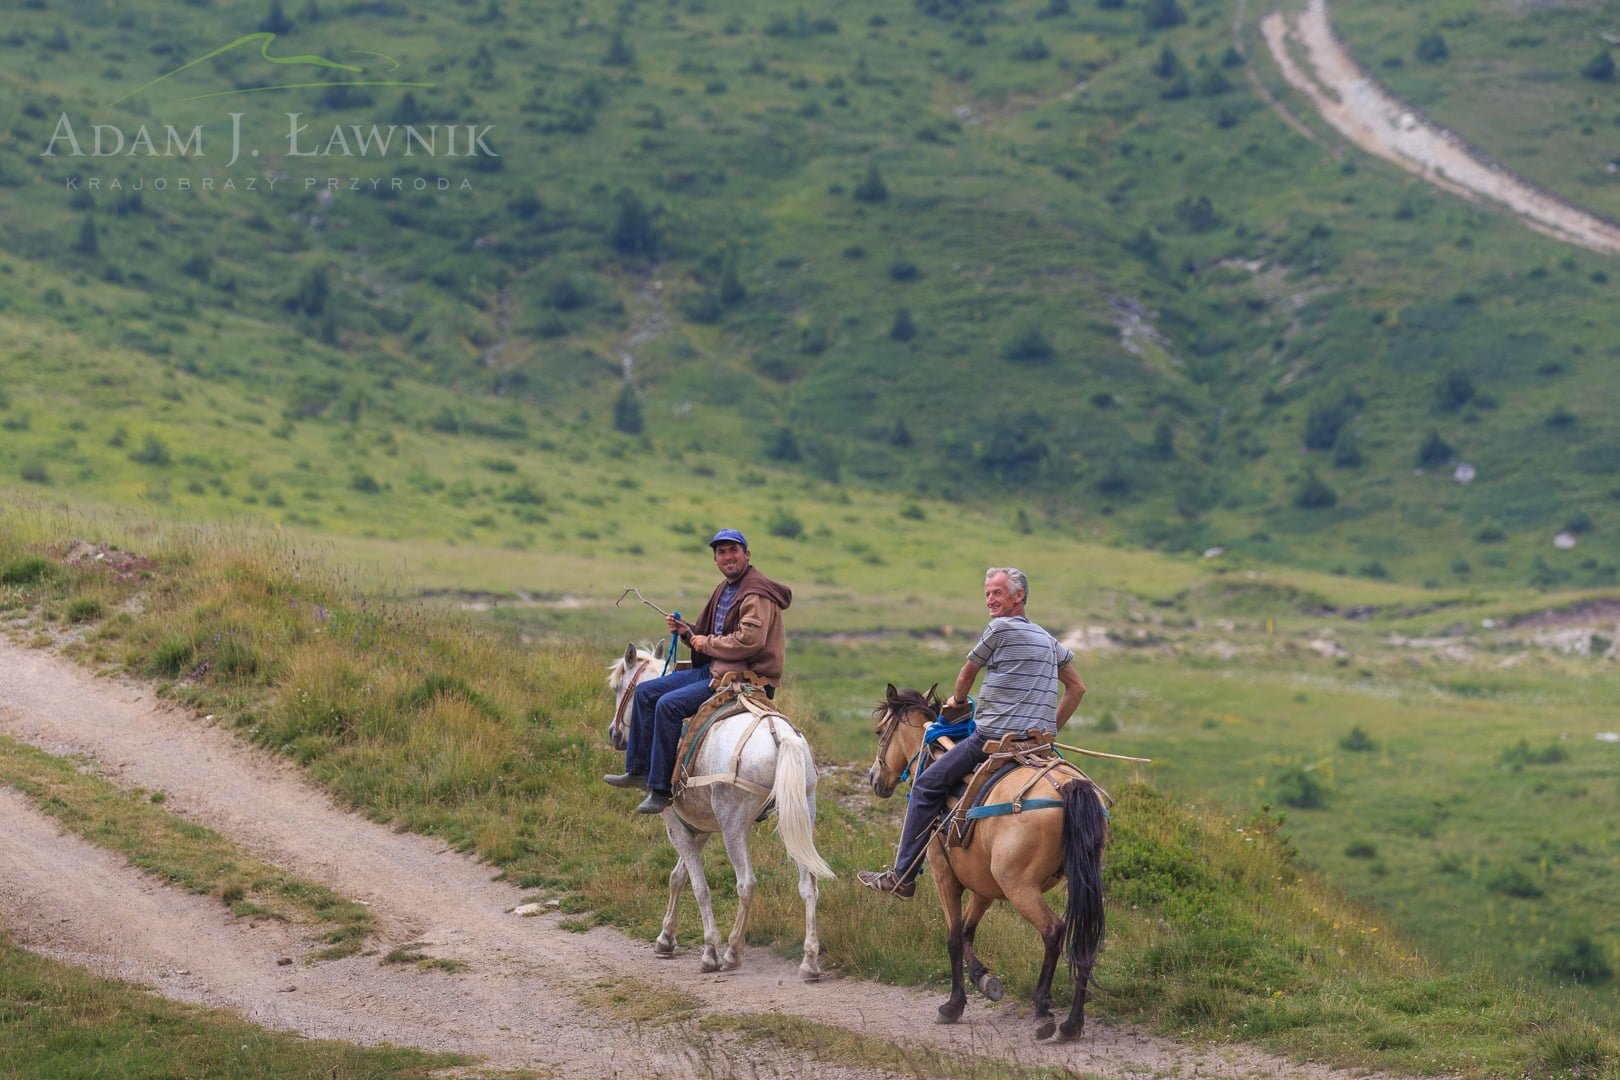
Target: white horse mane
616 670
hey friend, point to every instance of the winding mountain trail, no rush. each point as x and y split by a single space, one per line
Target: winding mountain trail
1370 118
517 1002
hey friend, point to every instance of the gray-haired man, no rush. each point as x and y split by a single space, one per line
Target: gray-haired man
1025 664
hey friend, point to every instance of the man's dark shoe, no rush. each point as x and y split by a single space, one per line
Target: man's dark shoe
626 780
887 882
656 802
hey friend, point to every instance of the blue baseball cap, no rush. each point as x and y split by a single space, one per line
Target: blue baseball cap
731 536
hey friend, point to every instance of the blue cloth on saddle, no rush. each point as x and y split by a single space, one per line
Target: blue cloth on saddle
944 729
939 729
936 730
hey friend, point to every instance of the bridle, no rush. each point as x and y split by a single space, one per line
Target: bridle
896 716
629 692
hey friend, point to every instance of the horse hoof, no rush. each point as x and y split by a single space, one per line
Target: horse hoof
731 962
810 975
948 1014
1065 1035
710 964
663 949
1045 1028
990 987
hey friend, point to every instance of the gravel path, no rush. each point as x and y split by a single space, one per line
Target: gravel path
1364 113
516 1004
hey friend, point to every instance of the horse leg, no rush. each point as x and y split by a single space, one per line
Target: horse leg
736 819
1028 902
664 947
689 843
950 901
809 891
988 984
1070 1029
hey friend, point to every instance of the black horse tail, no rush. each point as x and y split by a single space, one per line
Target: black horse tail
1085 830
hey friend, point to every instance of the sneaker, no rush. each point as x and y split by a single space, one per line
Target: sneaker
887 882
626 780
656 802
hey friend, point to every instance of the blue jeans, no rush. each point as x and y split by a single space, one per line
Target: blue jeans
661 705
928 794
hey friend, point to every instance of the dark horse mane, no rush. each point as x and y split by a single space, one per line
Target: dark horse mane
906 699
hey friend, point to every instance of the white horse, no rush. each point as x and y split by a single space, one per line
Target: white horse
749 760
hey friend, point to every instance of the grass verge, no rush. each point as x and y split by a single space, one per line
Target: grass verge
639 1002
178 852
60 1021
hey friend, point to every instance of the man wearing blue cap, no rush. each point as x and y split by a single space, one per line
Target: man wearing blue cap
740 629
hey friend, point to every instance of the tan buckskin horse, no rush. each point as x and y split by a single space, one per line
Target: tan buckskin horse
1013 857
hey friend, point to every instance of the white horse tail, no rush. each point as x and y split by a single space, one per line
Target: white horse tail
794 793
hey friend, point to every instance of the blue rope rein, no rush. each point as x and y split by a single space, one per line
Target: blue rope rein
674 643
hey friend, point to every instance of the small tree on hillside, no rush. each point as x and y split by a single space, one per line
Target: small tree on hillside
872 189
1431 48
1323 424
275 20
627 411
1600 68
1162 14
1030 347
1434 450
88 243
902 329
731 286
312 292
1168 65
1580 960
408 111
782 446
633 231
1313 494
619 53
1452 392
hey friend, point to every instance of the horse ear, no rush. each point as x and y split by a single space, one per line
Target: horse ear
891 693
932 696
658 650
630 653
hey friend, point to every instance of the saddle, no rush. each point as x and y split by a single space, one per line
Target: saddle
734 692
1030 750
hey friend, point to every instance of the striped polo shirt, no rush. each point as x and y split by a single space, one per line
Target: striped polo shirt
1020 662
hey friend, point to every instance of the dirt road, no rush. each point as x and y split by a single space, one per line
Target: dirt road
516 1004
1366 115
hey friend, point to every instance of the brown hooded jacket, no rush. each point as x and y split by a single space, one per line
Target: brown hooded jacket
753 637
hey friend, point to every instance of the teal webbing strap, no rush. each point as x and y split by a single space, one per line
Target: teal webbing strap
998 809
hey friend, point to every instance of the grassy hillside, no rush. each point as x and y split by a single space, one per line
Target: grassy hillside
1051 256
1216 932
